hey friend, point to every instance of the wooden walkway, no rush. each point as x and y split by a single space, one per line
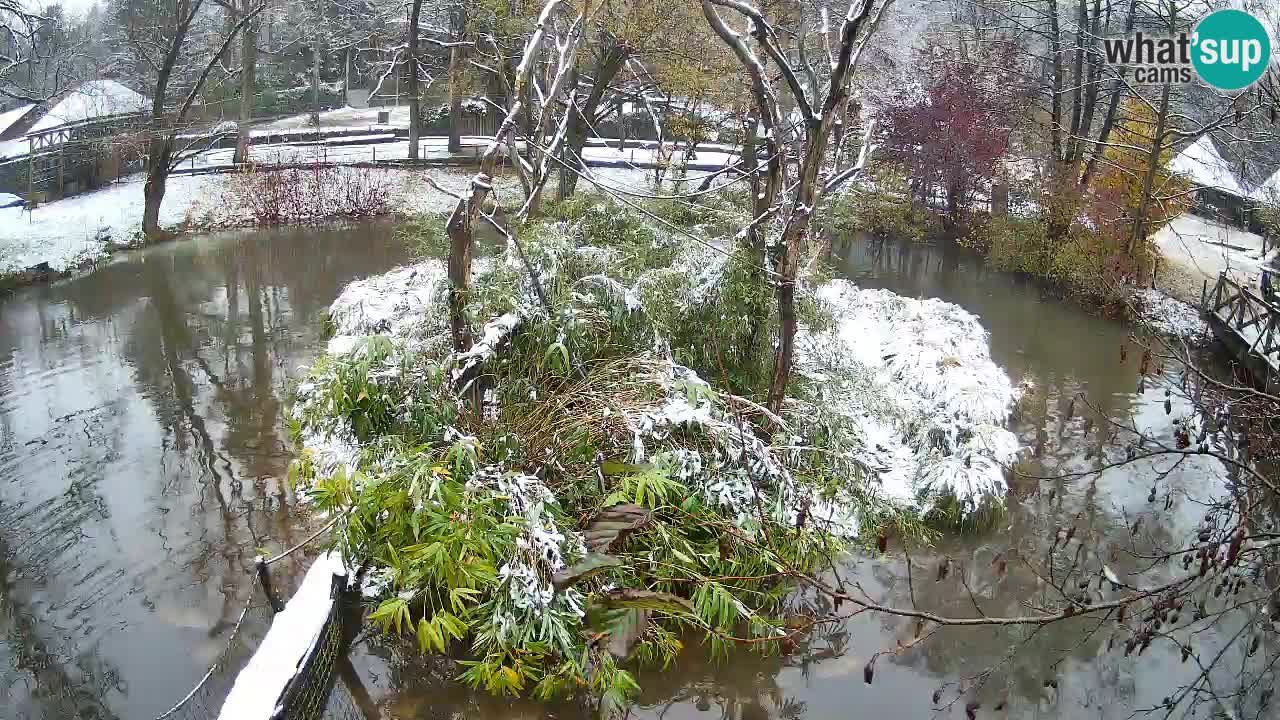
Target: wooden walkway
1248 325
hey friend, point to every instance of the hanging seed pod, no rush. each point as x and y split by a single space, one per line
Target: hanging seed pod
1111 643
937 696
944 567
971 709
1152 497
1233 550
1186 652
1168 406
1253 644
869 672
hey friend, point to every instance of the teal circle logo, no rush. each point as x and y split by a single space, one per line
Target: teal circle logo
1231 49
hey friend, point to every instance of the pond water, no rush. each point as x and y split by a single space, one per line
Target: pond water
142 457
143 450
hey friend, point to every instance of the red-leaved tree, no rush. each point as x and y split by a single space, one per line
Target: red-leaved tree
950 134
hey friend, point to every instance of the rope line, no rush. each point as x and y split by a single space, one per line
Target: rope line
244 612
313 536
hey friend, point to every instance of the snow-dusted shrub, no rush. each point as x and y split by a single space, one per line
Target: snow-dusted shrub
592 458
276 196
925 404
883 206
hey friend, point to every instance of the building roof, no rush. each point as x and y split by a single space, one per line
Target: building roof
1202 164
10 117
92 100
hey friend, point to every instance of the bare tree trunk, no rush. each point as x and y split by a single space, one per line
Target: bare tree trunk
1149 177
415 102
158 158
456 66
315 81
248 79
606 69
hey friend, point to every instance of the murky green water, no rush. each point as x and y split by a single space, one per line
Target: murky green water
142 452
142 457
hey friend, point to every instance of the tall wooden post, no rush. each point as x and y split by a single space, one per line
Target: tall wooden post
31 170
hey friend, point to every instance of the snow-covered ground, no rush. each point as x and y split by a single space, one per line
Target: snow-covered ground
71 232
344 117
1210 248
1168 315
1195 250
380 148
68 233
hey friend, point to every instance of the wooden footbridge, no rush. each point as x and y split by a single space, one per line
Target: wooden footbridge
1248 325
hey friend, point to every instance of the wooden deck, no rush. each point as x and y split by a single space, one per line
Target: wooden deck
1248 325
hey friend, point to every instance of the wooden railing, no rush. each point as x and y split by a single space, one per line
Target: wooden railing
1249 315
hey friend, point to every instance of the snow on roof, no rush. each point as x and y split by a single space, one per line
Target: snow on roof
1204 166
91 100
12 116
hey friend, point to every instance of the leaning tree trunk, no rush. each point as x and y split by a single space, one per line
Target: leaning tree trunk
158 157
1149 177
248 72
411 81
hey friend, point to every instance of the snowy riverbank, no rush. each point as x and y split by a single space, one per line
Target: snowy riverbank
69 234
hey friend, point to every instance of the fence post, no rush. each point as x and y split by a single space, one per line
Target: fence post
264 577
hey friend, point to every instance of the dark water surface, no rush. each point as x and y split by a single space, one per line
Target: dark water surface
142 452
142 458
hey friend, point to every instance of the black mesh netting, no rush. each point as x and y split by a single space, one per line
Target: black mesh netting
317 690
